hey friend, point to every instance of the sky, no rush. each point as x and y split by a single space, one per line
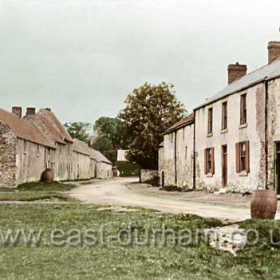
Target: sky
81 58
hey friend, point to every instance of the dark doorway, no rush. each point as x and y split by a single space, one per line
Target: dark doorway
224 166
162 178
277 167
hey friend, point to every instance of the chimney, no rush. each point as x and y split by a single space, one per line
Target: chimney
17 111
273 51
30 111
236 71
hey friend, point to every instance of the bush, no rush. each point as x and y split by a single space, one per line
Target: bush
128 169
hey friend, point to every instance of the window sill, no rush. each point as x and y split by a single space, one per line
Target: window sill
224 131
209 175
243 125
210 134
243 174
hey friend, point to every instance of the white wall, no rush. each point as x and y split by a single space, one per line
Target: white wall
254 132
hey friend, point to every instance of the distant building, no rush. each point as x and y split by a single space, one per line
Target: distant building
30 144
122 155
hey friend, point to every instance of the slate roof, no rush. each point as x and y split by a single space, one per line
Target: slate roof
266 72
24 129
182 123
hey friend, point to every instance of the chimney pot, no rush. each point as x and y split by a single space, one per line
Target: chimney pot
273 51
17 111
236 71
30 111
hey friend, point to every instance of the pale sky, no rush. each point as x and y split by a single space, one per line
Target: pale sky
82 57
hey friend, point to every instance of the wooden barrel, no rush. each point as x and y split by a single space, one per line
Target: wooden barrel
47 176
264 204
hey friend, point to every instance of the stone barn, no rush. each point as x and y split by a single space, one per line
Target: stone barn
30 144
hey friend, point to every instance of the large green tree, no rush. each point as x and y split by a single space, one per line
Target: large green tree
79 130
150 110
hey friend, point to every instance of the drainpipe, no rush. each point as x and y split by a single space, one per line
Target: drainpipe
175 156
266 134
194 159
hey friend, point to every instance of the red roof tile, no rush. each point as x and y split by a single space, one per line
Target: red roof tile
50 126
24 129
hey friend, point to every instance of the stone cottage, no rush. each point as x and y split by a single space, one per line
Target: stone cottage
176 154
30 144
236 133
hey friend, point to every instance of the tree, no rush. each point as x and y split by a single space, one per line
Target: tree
113 129
150 110
111 136
79 130
104 145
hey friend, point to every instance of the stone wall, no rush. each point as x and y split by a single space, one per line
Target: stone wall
273 128
8 160
148 175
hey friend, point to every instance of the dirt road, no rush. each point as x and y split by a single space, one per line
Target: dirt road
125 192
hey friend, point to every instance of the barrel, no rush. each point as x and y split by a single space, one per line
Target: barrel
264 204
47 176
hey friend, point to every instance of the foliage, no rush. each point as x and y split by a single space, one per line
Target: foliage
127 169
111 136
112 129
150 110
78 130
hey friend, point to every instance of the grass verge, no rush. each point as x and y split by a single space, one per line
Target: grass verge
37 191
116 261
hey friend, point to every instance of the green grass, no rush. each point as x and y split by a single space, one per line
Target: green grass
37 191
113 261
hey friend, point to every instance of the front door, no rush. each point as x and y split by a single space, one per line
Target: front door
224 165
277 168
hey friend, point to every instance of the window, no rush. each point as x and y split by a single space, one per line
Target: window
210 121
242 157
224 116
209 164
243 109
186 152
